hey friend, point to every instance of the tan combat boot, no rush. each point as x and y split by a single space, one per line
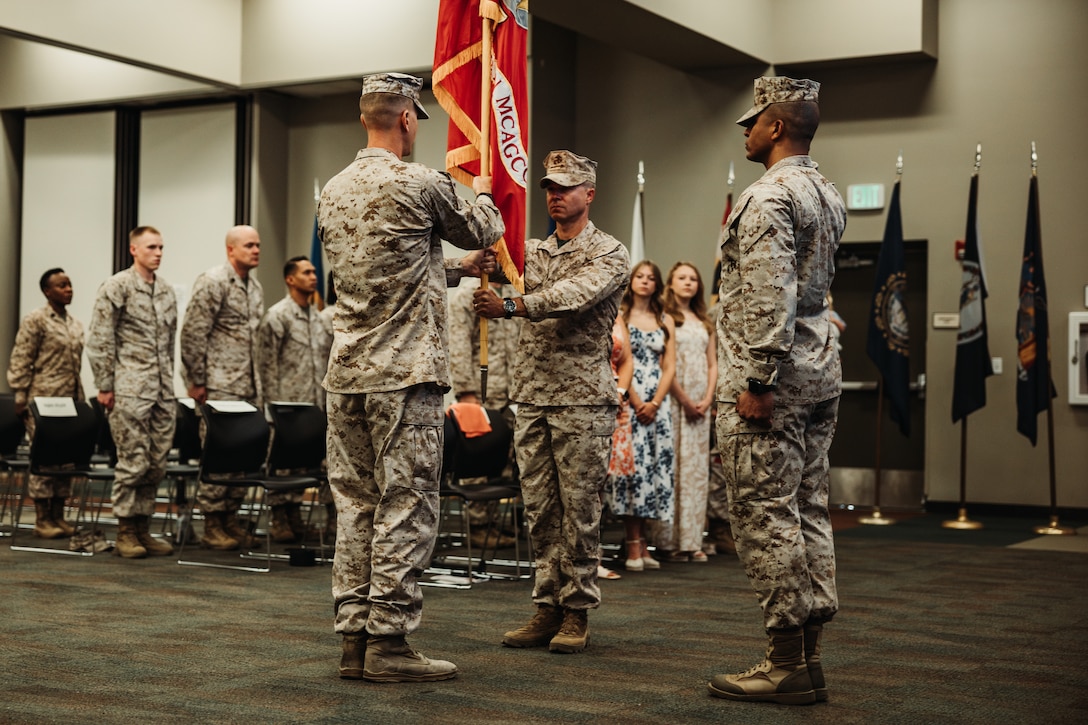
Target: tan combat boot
44 526
128 542
155 547
235 530
215 537
782 676
353 654
544 625
57 509
573 636
812 659
392 659
280 529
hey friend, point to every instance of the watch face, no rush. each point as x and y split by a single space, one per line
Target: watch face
509 307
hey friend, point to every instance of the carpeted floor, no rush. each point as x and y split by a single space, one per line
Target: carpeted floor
936 626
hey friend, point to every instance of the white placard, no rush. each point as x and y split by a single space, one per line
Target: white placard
231 406
56 407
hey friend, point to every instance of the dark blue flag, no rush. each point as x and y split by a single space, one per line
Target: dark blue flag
889 335
1034 386
973 364
317 261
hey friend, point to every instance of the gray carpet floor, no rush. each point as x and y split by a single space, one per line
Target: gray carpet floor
935 626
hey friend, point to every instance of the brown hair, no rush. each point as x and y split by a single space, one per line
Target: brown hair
698 302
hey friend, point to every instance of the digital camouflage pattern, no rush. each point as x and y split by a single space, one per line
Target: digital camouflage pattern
382 222
572 294
567 406
502 347
130 346
778 250
46 362
775 325
130 340
563 457
219 334
293 353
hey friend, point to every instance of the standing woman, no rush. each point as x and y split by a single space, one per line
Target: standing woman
647 492
622 461
692 394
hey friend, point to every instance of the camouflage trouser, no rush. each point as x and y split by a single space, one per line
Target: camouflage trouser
563 455
212 497
717 499
778 484
45 486
385 457
143 432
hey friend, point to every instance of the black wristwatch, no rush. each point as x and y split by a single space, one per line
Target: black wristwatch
755 387
509 307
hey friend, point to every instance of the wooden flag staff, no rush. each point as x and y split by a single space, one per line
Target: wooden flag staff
961 521
485 168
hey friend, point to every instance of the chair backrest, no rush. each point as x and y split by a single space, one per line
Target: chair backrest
12 428
298 438
234 442
104 445
484 456
63 441
187 433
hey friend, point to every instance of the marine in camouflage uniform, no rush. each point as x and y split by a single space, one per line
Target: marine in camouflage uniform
218 346
566 398
779 389
382 221
294 340
130 346
46 362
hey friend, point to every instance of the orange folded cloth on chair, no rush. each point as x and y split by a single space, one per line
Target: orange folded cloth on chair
471 419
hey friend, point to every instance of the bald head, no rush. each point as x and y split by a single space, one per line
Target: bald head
243 248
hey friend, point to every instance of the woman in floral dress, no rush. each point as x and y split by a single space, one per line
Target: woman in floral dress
647 492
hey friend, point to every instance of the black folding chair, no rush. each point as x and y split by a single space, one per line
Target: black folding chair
235 454
480 457
66 434
13 463
298 447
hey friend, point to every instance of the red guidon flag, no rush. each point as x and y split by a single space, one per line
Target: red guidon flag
456 82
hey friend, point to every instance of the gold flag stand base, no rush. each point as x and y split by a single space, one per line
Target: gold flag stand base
876 519
962 522
1055 529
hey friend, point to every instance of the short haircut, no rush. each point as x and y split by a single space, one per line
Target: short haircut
381 111
292 265
49 273
139 231
802 118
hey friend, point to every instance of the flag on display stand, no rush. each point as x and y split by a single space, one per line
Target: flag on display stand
973 364
889 339
1034 386
457 82
317 261
638 235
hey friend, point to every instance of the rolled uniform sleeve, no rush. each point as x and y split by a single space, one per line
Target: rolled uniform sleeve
21 364
102 335
196 329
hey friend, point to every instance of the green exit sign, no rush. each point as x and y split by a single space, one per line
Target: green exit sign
865 197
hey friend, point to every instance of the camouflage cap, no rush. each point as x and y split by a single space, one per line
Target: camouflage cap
568 169
398 83
779 89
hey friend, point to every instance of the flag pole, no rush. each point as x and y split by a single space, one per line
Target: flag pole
877 518
1054 527
485 170
961 521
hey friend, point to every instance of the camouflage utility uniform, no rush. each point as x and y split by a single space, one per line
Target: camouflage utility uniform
381 221
292 357
46 362
778 253
130 346
218 341
566 398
